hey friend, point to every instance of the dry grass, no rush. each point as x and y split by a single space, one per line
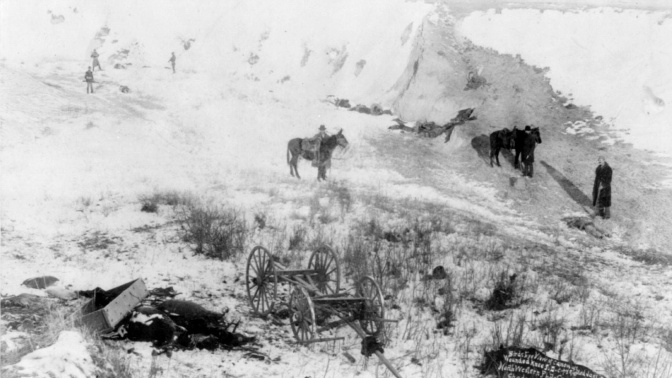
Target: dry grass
53 318
213 230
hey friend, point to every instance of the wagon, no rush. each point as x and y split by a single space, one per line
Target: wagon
316 297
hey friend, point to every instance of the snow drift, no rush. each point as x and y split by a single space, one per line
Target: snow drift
351 49
615 61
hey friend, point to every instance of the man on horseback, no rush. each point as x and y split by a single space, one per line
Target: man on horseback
313 144
320 136
317 150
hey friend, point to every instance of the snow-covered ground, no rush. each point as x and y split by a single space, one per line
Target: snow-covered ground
252 75
615 61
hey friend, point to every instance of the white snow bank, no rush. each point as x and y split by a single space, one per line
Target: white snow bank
616 61
68 357
351 48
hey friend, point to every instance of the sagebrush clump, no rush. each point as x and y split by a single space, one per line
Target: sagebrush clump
213 230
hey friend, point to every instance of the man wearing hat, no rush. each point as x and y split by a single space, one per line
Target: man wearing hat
602 188
321 135
529 145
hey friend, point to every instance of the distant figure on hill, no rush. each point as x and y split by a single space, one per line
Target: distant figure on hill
88 77
602 188
531 140
172 61
96 63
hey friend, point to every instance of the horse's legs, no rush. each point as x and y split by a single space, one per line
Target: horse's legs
516 163
494 153
321 173
293 166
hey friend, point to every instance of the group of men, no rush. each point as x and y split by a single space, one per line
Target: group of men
88 75
603 172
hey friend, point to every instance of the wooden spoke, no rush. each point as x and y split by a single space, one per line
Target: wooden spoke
302 315
261 281
325 263
373 306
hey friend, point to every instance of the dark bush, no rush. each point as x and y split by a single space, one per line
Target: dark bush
298 238
213 231
505 294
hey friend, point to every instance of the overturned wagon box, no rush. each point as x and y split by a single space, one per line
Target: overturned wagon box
108 308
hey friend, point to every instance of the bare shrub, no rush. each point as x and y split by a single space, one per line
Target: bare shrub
589 318
214 231
507 293
84 201
509 334
560 291
150 202
53 318
550 326
648 256
260 219
149 207
112 360
667 339
297 239
342 194
628 326
355 259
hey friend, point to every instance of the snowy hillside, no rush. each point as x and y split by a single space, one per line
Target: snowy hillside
79 171
612 60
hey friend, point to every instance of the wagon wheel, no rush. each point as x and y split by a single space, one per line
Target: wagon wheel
373 307
302 315
261 281
325 263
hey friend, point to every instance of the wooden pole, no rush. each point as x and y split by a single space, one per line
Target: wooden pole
380 356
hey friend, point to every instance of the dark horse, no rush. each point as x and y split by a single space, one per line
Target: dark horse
498 140
518 137
323 158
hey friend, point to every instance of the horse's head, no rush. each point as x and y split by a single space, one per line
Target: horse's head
341 140
537 133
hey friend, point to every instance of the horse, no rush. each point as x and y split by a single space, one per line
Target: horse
498 140
518 139
322 157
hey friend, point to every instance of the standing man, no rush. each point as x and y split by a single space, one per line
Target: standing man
172 61
316 143
531 140
321 134
95 56
602 188
88 77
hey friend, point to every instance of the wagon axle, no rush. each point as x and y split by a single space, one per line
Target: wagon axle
316 290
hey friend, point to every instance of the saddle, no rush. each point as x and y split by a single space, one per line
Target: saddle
310 144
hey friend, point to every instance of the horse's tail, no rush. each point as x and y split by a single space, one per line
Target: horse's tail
288 152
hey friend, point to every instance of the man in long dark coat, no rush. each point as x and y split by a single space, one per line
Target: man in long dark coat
88 78
529 145
602 188
96 63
